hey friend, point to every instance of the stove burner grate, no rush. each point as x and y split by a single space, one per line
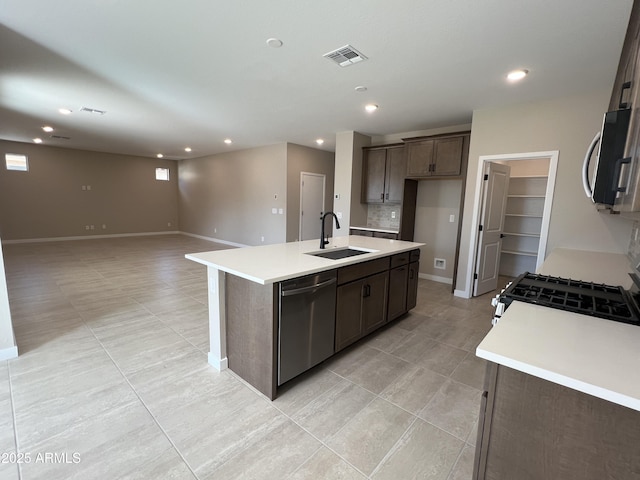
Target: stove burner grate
598 300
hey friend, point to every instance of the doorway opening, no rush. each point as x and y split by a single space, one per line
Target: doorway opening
520 232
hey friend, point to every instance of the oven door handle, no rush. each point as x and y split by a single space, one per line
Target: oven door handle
588 189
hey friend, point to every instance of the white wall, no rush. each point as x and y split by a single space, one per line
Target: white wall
8 348
348 180
567 125
230 196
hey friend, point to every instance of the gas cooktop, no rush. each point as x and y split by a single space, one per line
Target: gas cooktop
597 300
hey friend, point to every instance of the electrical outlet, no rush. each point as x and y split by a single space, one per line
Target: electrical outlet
93 227
86 227
262 239
104 226
339 214
274 211
168 224
452 218
393 214
215 230
439 263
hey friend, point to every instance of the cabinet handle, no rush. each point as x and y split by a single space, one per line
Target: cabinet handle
625 86
366 291
411 274
382 196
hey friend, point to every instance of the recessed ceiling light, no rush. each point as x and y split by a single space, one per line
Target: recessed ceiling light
47 128
64 111
516 75
228 141
187 149
319 141
274 42
37 140
159 155
371 107
360 88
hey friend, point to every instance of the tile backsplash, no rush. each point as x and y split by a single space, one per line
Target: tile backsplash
380 216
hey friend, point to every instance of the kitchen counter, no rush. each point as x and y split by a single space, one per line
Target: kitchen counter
375 229
591 355
268 264
275 263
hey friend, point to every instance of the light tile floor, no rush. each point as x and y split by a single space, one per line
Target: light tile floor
113 341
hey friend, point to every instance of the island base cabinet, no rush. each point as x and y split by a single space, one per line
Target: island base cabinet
252 312
533 429
361 308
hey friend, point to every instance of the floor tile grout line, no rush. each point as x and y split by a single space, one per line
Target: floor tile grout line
143 403
392 450
14 418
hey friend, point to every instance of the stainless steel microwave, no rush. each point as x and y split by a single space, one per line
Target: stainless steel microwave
603 187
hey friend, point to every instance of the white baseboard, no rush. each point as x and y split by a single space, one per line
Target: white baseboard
8 353
217 363
88 237
436 278
461 294
216 240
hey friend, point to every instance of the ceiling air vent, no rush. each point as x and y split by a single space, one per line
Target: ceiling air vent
60 137
345 56
93 110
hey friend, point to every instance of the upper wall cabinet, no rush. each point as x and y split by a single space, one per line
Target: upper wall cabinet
435 156
383 174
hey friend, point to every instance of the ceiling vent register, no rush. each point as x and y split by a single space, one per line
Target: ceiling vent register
345 56
93 110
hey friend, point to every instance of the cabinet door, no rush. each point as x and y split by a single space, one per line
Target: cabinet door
349 313
373 176
412 285
447 156
374 304
397 291
394 175
419 158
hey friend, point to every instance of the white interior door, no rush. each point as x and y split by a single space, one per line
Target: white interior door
311 204
496 186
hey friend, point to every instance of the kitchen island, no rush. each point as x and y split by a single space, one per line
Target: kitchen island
562 391
243 296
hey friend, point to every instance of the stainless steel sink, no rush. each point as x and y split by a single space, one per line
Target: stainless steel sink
338 253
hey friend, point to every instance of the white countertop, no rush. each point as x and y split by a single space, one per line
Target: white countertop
274 263
592 355
375 229
599 267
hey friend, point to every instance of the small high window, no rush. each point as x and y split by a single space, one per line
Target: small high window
162 174
16 161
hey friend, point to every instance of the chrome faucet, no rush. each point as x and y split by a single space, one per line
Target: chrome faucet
324 241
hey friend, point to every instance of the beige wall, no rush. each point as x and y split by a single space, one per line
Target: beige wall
437 200
348 180
48 200
229 196
311 160
566 125
8 347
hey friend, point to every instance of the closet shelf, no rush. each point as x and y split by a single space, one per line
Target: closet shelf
522 234
526 254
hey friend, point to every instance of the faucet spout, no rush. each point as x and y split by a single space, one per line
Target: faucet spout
323 240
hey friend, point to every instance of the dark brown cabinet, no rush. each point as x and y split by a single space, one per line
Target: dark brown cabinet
361 303
383 174
412 283
530 428
435 157
398 284
403 283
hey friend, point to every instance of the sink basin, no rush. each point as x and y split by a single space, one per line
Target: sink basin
338 253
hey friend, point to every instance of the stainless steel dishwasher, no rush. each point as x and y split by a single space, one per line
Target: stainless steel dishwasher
307 319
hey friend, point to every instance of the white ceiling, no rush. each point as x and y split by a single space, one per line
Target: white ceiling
172 74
